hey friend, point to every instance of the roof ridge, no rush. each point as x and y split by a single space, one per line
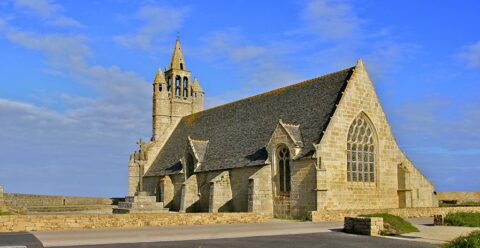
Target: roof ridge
274 91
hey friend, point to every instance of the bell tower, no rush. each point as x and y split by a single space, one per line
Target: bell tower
175 94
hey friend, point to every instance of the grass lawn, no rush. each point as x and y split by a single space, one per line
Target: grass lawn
393 224
463 219
5 213
470 241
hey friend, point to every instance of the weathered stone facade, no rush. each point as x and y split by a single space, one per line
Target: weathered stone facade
284 153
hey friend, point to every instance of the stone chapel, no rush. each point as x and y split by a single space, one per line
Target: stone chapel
321 144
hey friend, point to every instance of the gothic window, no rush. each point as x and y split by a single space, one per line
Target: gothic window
181 66
160 87
185 87
191 91
177 86
169 84
190 168
361 151
283 158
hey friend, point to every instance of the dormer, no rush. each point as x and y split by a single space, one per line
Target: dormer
286 134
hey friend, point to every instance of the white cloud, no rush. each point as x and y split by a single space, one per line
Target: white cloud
91 138
50 12
332 20
471 55
158 22
260 66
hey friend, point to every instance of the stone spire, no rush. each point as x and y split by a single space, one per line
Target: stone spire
178 62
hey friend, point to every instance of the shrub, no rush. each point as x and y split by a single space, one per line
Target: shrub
393 224
470 241
463 219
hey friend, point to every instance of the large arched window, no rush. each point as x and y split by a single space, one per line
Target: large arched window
283 158
361 151
190 167
185 87
177 86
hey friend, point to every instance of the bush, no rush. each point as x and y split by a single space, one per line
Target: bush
463 219
393 224
470 241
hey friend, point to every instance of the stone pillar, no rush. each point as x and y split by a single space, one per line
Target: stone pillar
260 195
133 172
2 205
321 189
220 193
438 220
190 195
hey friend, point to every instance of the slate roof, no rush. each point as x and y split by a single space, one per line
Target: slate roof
238 132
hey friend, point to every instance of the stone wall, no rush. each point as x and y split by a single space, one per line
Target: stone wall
371 226
389 190
458 197
14 200
22 223
338 215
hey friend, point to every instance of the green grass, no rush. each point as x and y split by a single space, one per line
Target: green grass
463 219
5 213
470 241
393 224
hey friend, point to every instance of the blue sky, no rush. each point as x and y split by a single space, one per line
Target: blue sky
76 77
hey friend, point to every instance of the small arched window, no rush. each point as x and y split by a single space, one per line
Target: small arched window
169 84
160 87
283 158
185 87
190 167
181 66
177 86
361 151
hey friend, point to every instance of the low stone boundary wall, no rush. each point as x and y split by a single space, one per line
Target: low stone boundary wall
338 215
21 200
458 197
22 223
363 225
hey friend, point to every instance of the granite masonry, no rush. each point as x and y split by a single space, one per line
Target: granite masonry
320 145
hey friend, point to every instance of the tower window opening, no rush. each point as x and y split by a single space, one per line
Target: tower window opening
160 87
177 86
185 87
181 66
191 91
169 84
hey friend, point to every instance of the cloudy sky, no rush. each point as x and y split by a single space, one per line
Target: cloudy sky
75 77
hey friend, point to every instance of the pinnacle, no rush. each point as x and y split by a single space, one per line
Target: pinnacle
159 78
